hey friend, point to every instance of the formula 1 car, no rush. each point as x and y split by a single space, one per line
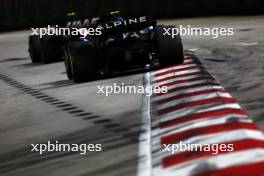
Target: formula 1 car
123 45
46 46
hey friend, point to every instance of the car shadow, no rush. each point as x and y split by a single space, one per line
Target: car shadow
25 161
13 59
57 84
26 65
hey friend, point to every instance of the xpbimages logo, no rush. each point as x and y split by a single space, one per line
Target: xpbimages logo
212 148
128 89
59 147
86 31
65 31
214 32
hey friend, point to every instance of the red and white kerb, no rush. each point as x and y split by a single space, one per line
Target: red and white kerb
196 109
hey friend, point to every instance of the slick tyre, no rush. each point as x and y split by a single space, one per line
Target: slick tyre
67 63
35 48
46 55
51 50
83 61
169 50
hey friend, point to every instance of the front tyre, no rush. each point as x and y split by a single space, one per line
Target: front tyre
68 64
34 48
51 50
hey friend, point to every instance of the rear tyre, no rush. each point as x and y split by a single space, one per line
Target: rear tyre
170 50
34 48
46 55
51 50
67 63
83 59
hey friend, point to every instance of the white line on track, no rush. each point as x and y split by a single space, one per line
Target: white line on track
145 151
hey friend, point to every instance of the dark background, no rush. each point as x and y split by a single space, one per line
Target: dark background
20 14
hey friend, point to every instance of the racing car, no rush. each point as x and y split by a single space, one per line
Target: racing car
46 48
124 44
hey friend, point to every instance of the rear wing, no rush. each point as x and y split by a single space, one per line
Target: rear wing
114 25
127 25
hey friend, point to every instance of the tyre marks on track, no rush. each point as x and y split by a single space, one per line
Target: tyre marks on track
115 136
66 107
